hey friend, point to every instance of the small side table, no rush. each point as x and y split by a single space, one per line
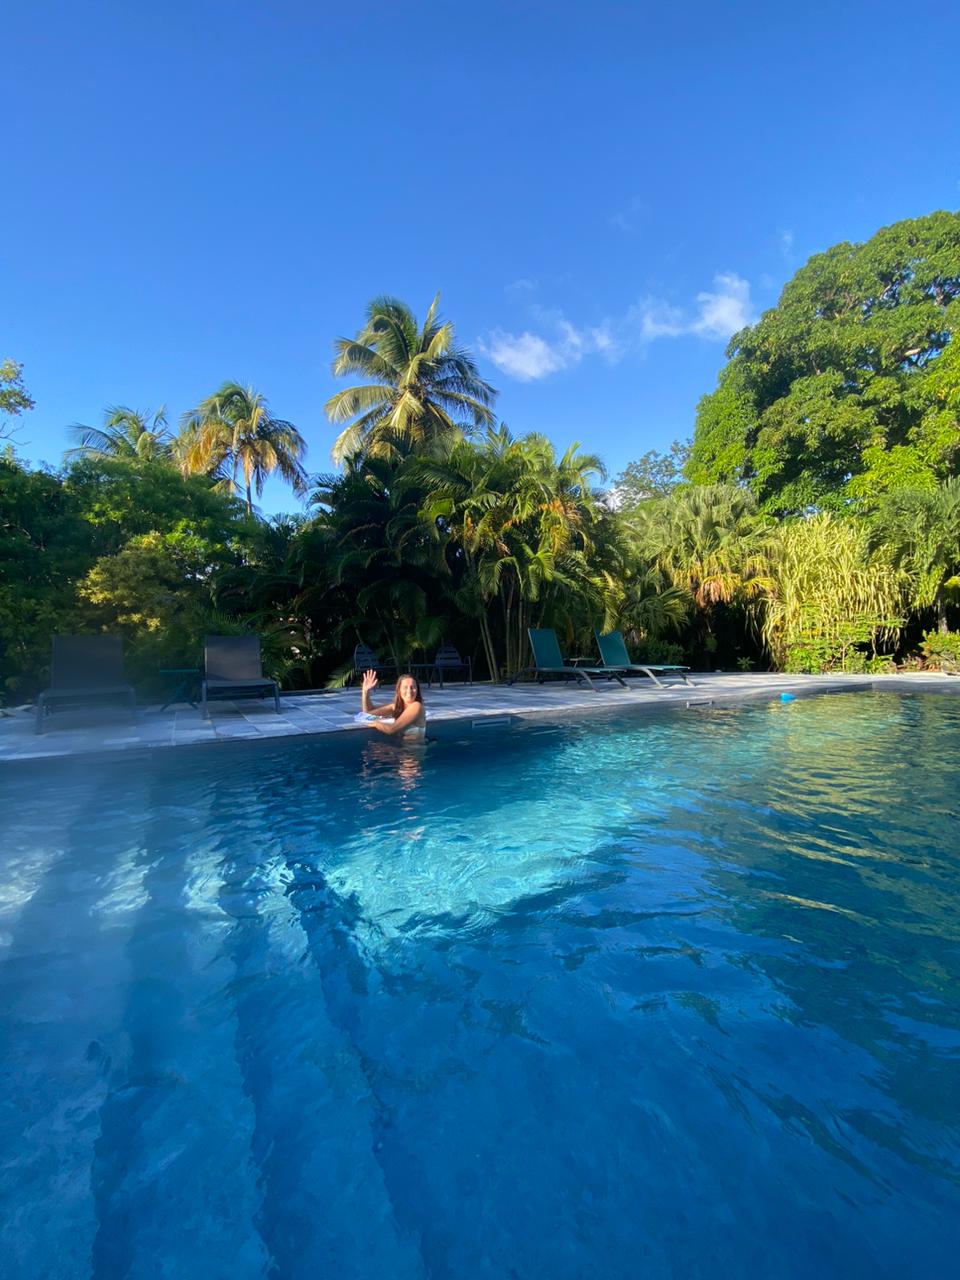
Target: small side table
183 682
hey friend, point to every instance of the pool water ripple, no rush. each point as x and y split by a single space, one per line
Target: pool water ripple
671 997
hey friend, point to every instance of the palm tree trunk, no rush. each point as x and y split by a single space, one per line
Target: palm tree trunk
249 500
488 647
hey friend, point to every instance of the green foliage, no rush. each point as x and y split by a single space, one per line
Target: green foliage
846 396
921 529
109 545
119 499
156 591
131 434
14 397
663 652
941 650
654 475
233 434
420 386
43 550
850 386
831 594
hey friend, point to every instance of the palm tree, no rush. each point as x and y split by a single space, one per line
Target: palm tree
921 527
710 541
233 433
419 385
523 521
134 434
380 557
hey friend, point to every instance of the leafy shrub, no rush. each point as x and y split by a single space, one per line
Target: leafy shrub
941 649
881 665
658 651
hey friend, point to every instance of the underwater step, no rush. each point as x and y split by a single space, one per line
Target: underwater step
326 1208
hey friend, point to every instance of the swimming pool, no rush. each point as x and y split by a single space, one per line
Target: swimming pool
635 997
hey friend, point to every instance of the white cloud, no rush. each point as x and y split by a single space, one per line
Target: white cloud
528 356
650 318
786 243
716 315
522 355
719 314
724 312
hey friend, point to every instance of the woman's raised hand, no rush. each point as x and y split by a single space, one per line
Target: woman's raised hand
369 682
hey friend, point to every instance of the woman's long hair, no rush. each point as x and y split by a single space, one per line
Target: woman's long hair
398 703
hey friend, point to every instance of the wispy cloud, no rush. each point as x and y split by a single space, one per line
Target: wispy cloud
785 243
528 356
525 356
520 288
715 315
718 314
629 217
722 313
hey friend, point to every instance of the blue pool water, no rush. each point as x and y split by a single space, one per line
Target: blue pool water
673 997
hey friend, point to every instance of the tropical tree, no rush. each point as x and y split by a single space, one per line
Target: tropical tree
712 544
850 386
233 435
653 475
524 523
380 557
135 435
921 529
14 397
418 384
639 597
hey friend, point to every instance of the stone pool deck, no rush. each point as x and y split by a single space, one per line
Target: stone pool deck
76 733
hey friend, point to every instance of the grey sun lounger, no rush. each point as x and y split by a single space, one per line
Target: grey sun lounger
614 656
448 659
548 661
364 659
232 669
85 670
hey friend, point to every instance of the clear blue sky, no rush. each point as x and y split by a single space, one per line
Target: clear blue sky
601 191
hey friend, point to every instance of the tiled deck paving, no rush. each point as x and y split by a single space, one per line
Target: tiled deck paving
76 733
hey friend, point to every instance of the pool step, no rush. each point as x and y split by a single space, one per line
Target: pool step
326 1208
97 1182
174 1180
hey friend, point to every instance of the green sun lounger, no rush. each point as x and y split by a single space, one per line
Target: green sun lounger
548 661
614 656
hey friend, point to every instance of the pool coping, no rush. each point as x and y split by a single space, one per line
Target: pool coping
332 713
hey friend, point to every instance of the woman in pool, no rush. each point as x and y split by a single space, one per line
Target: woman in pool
406 713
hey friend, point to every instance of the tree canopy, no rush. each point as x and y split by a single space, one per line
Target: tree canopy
850 386
14 397
814 526
420 385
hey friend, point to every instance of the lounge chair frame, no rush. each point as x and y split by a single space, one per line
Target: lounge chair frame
448 659
85 669
233 669
548 661
365 659
613 647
